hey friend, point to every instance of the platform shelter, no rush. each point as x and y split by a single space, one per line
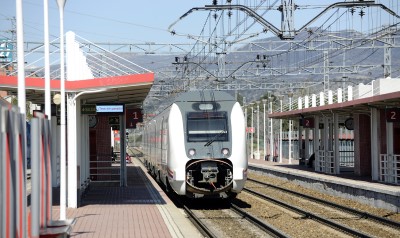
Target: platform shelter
99 85
371 111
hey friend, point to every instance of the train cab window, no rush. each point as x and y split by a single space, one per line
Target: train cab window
206 126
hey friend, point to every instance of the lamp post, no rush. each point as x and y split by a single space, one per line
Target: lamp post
258 130
265 145
290 95
252 130
63 189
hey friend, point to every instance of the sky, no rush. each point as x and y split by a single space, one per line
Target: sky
100 20
130 21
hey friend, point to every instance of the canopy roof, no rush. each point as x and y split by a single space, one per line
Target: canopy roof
128 89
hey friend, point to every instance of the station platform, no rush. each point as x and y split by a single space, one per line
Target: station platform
141 209
346 185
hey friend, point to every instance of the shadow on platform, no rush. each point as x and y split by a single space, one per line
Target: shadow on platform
139 191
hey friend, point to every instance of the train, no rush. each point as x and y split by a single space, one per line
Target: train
196 146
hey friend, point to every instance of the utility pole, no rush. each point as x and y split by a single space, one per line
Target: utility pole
387 65
326 71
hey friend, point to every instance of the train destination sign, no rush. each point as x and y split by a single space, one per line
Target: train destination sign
110 108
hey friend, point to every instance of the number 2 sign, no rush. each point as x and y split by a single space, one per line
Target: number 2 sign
308 122
393 114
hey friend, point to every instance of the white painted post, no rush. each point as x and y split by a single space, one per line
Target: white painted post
321 98
20 58
265 141
63 181
290 128
271 132
349 93
313 100
280 131
47 100
72 151
306 101
340 95
300 103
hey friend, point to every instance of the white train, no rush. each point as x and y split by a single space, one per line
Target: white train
197 146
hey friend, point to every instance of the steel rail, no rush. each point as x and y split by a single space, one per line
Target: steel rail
259 223
361 214
306 214
198 223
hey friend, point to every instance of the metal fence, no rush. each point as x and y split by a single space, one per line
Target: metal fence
13 204
389 168
105 169
13 163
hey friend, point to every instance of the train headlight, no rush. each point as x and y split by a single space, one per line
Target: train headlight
192 152
225 151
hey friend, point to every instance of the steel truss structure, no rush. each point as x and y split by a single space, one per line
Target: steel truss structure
233 50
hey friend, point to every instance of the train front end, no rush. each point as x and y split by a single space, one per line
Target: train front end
213 162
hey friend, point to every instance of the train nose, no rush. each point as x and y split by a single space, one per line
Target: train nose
209 176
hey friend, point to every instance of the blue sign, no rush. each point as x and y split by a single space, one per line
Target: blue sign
110 108
6 49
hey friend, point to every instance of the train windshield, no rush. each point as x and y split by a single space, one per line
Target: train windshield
207 126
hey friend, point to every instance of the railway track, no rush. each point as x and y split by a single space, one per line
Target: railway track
231 221
222 219
361 214
347 220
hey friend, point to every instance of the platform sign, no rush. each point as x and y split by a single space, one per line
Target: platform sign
392 114
114 120
88 109
117 109
6 49
308 122
133 116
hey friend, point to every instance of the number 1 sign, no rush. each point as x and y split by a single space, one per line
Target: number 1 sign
133 116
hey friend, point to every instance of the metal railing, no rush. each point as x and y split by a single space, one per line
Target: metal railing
325 162
389 168
104 169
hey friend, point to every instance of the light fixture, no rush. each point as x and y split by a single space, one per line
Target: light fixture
57 99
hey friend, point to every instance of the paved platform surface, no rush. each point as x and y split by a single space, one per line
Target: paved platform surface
141 209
